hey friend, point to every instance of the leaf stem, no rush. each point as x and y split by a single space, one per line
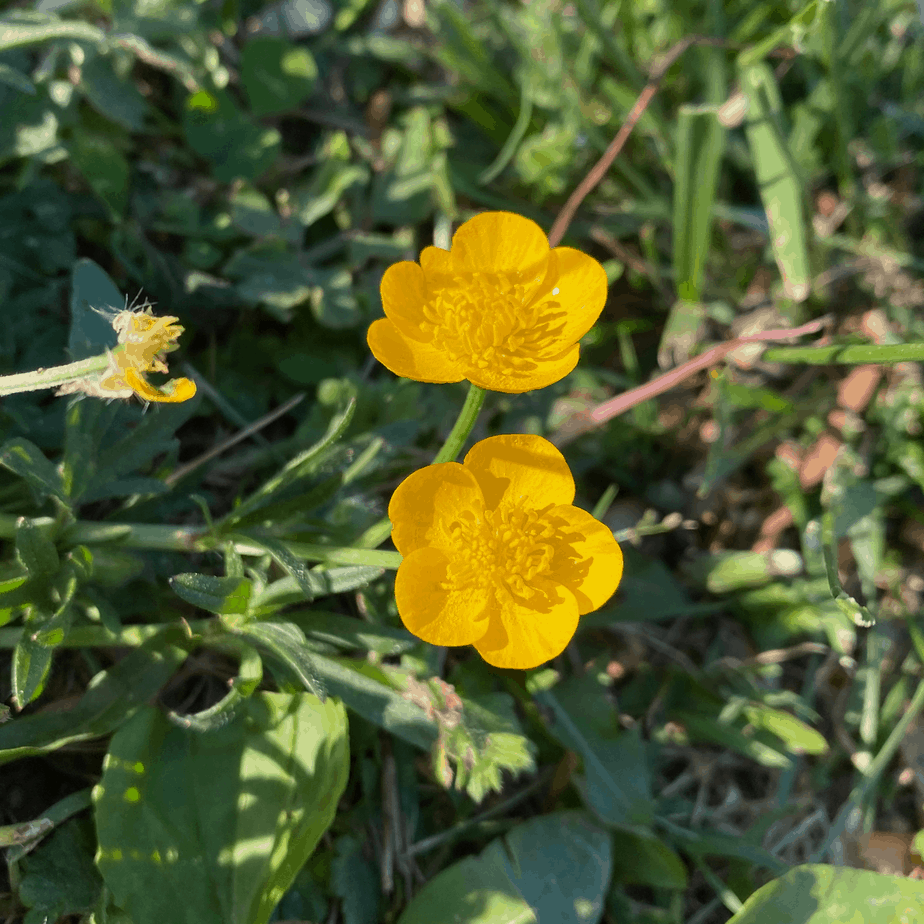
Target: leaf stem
54 376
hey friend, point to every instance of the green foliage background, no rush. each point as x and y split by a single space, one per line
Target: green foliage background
205 723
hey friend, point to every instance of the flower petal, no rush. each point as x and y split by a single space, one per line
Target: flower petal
433 613
582 289
410 358
426 503
174 391
501 242
520 465
437 265
546 373
592 566
404 294
522 637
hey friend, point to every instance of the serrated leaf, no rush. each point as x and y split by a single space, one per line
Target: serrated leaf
213 828
224 596
26 460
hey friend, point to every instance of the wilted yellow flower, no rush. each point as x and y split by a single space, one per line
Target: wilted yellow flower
499 309
496 556
143 341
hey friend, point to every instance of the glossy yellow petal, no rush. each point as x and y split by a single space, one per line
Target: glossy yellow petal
545 373
425 505
431 611
174 391
520 468
436 264
404 294
590 563
501 242
522 637
410 358
581 292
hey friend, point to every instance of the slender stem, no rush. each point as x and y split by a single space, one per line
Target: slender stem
54 376
195 539
464 424
847 355
871 776
379 532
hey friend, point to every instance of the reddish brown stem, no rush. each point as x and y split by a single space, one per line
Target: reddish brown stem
589 420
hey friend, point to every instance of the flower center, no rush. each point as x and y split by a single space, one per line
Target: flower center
505 549
492 321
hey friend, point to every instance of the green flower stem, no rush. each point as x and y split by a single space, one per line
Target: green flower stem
853 353
127 637
53 377
464 424
376 534
194 539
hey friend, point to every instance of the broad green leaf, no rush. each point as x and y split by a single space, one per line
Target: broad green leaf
796 736
286 642
817 894
104 167
60 878
644 859
111 697
616 783
117 99
94 299
218 131
277 76
26 460
778 181
224 596
553 868
375 700
213 828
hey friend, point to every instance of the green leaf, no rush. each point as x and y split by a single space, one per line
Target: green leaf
554 868
218 131
486 741
38 554
54 816
60 878
13 78
346 633
17 31
796 736
111 697
700 144
93 297
373 698
334 176
26 460
616 784
224 596
213 828
778 181
117 99
818 894
104 167
286 642
31 663
355 881
641 858
276 74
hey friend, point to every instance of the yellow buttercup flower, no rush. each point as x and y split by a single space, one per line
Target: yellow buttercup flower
496 556
500 308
